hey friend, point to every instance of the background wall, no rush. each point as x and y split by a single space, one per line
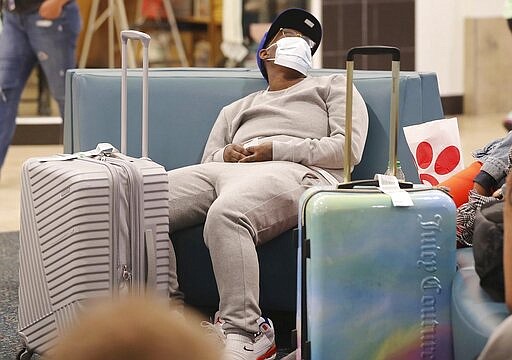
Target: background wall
440 37
351 23
316 9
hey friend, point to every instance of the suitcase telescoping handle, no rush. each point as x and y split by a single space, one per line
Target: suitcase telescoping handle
393 127
145 39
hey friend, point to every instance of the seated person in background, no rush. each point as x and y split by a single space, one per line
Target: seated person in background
480 183
499 345
507 243
495 165
263 152
485 175
135 329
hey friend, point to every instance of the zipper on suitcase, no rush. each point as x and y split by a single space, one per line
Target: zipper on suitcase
129 264
125 274
136 235
135 272
120 268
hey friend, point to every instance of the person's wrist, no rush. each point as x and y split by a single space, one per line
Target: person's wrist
484 183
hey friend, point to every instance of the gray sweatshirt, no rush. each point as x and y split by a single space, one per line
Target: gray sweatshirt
305 123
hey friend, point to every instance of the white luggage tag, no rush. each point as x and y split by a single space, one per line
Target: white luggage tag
388 184
101 149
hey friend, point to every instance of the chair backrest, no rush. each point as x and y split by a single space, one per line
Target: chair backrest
184 103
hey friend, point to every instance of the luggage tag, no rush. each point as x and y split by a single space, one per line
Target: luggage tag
388 184
105 149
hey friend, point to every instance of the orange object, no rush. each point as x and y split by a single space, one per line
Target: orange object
153 9
460 183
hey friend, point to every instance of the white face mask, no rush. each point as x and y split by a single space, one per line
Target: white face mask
293 53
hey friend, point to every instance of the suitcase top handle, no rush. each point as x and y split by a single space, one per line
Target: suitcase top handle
374 50
135 35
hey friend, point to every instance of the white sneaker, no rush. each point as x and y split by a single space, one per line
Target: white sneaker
240 347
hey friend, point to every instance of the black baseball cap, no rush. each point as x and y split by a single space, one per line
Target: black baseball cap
296 19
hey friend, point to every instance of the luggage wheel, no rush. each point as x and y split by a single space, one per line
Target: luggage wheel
24 354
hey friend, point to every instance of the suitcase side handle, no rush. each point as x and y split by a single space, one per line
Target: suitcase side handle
145 39
374 50
150 246
393 117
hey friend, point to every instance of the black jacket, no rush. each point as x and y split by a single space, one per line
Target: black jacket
22 6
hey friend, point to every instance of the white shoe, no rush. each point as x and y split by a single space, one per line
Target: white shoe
240 347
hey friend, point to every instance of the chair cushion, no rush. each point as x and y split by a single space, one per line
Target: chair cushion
474 314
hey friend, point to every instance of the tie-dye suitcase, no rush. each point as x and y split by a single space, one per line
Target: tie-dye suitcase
374 278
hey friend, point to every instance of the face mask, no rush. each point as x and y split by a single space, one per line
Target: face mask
293 53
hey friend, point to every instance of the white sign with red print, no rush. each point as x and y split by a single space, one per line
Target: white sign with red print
436 148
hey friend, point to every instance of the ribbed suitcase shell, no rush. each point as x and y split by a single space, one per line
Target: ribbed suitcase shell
378 278
81 221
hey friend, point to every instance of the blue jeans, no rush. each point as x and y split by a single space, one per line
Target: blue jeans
494 157
27 39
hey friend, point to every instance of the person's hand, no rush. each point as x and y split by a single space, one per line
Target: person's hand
51 9
262 152
481 190
235 153
498 194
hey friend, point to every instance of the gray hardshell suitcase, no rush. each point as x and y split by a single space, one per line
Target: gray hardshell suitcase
93 225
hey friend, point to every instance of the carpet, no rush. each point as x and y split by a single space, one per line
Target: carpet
9 264
10 343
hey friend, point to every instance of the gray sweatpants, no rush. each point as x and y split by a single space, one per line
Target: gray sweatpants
242 205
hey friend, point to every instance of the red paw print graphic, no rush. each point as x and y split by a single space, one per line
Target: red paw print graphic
445 162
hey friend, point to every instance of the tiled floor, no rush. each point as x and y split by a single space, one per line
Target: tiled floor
10 184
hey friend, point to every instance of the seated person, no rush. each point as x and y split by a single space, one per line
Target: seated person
507 242
486 174
499 345
495 165
478 184
263 152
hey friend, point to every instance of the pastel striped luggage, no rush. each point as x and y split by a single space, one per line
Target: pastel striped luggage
94 225
375 279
